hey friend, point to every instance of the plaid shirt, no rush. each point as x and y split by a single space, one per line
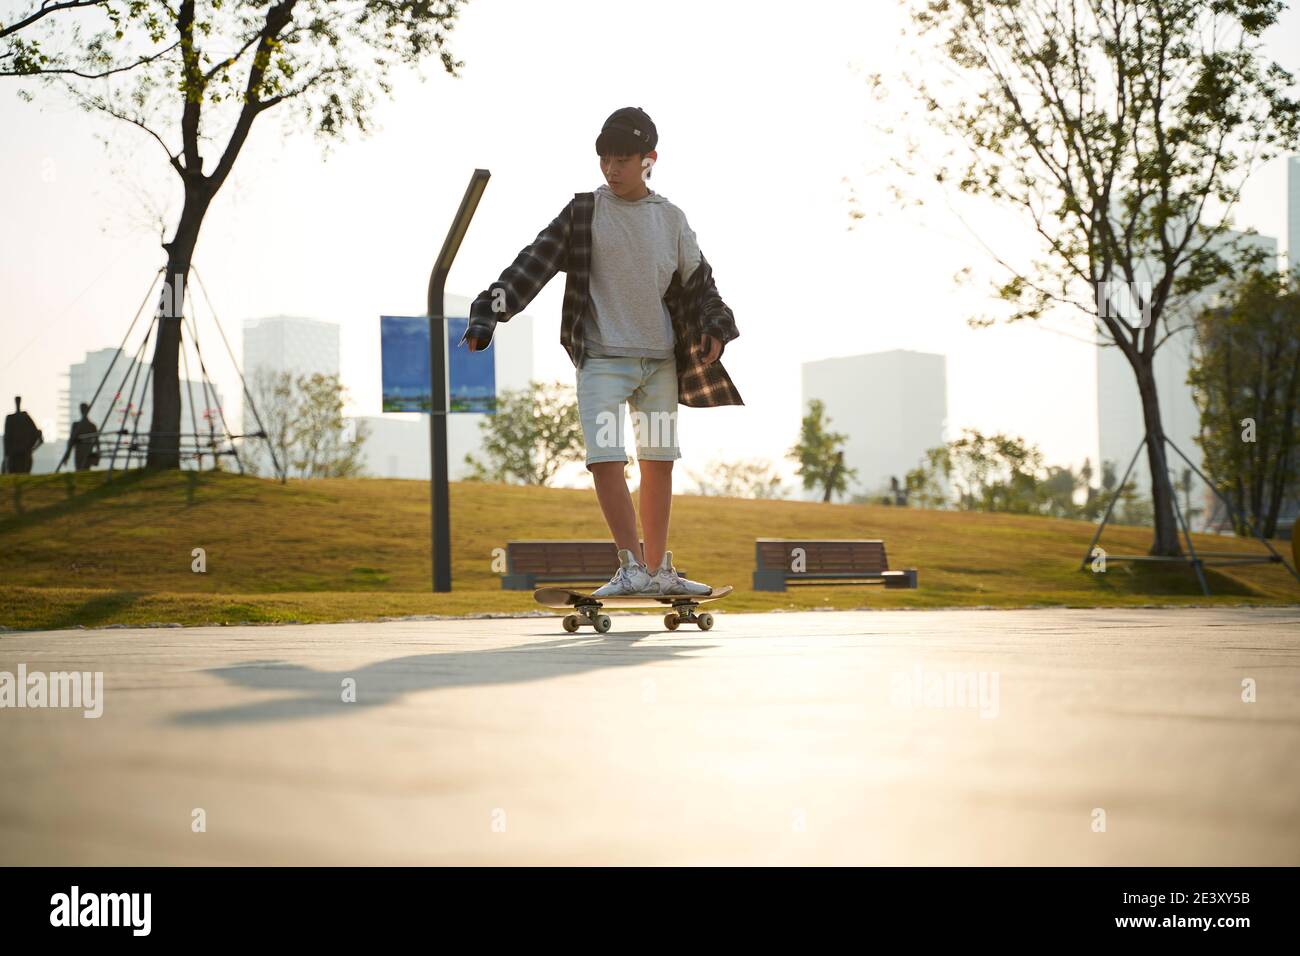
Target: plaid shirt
696 308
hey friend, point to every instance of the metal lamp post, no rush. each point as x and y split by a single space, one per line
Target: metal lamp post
440 497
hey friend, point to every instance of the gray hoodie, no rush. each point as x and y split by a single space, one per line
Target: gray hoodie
636 248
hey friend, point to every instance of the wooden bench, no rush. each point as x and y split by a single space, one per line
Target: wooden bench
559 562
824 562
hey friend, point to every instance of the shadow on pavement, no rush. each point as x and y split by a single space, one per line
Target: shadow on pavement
319 693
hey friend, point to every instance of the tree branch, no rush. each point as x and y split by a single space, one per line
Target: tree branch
45 10
101 104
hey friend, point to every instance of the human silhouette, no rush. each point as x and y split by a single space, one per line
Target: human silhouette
22 437
83 442
899 492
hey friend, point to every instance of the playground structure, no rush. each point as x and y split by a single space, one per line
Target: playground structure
1197 560
122 443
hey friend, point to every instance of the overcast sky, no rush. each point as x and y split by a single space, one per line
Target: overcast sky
762 112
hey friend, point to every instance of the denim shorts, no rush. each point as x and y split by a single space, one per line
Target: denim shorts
609 384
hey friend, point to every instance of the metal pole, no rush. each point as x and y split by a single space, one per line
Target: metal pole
72 400
243 384
1187 535
440 505
1113 498
1232 514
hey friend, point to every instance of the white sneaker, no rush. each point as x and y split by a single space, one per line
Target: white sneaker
670 582
632 577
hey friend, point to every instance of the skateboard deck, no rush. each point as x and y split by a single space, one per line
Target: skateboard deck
587 609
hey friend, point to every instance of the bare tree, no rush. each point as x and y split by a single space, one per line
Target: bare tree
321 446
1123 130
753 478
273 393
302 416
206 72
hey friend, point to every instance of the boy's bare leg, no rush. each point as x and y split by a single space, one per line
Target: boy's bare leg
656 506
616 503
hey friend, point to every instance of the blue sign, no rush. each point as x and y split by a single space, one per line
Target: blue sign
404 347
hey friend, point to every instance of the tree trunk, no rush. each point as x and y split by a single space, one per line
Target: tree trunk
833 477
1165 542
164 430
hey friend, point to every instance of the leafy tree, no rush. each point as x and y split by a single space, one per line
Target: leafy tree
58 24
321 447
995 472
998 473
205 71
1057 492
534 433
1245 377
1093 502
818 454
1109 477
1134 507
303 419
1116 129
927 484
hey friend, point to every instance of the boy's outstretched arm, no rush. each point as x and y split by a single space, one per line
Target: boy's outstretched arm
519 284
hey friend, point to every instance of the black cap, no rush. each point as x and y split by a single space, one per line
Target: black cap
633 123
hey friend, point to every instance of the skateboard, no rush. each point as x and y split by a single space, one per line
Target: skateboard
587 609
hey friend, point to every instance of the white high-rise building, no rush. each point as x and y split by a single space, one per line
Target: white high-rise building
892 406
291 344
285 343
114 409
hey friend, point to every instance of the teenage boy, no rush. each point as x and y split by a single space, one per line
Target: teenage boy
644 326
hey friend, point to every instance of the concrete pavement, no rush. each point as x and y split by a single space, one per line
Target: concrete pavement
926 737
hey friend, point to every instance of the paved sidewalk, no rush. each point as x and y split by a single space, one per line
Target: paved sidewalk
824 738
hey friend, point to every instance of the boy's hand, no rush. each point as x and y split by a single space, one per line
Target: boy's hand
711 347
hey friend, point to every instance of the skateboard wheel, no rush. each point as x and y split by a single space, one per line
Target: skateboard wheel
671 621
705 621
571 623
603 623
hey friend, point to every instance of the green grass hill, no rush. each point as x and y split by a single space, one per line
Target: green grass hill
87 550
